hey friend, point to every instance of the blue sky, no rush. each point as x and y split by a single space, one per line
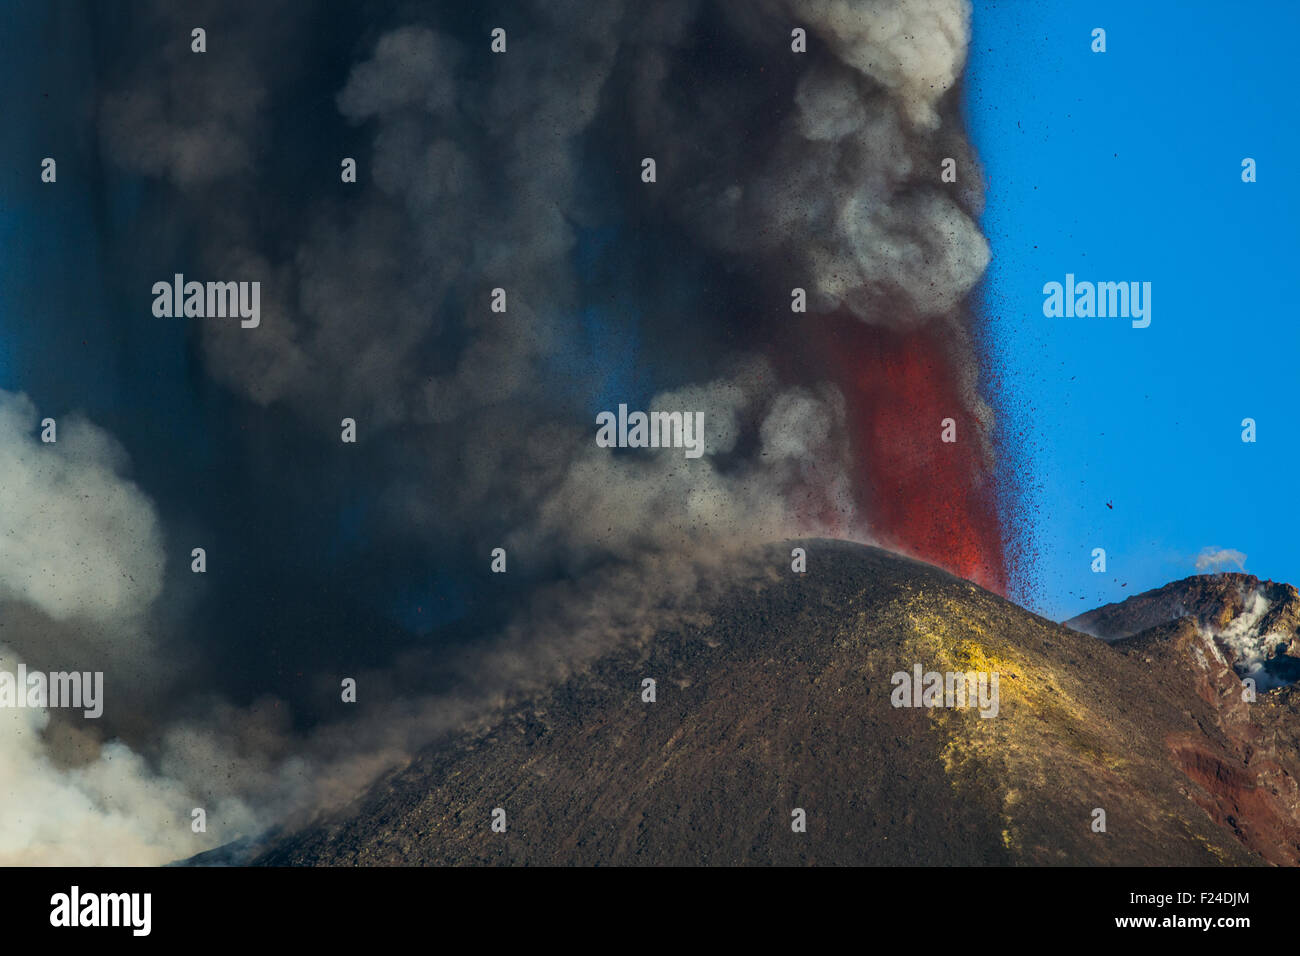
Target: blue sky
1126 165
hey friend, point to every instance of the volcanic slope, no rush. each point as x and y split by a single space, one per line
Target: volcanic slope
1215 601
780 701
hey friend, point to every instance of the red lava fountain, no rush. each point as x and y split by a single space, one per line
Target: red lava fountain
925 497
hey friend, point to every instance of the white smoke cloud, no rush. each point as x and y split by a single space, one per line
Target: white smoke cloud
915 48
109 808
77 538
1212 559
80 564
1249 644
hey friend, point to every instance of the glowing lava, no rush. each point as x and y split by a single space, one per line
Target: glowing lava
923 496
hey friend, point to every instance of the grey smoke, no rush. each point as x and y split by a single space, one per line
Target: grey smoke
195 119
376 308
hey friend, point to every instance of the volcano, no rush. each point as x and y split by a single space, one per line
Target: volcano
931 498
778 704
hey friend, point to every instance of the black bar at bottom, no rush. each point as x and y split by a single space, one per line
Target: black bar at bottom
643 907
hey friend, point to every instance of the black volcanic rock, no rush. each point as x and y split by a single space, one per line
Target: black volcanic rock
235 853
782 701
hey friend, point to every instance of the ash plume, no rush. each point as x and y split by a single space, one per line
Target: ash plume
518 171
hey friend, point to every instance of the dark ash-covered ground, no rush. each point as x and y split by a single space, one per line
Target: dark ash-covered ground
782 700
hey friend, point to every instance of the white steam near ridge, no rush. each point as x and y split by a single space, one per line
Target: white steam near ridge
1251 649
